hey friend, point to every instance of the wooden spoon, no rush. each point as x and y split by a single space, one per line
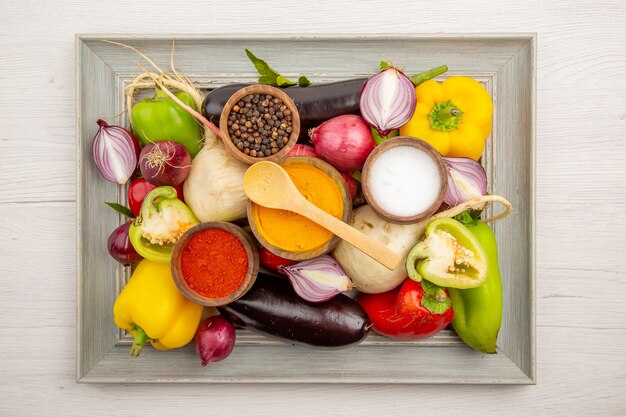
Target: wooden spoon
269 185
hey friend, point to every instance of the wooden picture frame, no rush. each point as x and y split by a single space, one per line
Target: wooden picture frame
504 63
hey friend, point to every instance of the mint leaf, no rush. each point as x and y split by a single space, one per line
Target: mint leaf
384 65
283 82
124 211
303 81
269 76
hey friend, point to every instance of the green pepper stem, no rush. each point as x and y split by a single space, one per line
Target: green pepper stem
417 79
445 116
140 339
440 295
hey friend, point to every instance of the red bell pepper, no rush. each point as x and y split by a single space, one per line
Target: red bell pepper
416 310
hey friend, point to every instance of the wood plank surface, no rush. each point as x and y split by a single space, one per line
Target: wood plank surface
581 197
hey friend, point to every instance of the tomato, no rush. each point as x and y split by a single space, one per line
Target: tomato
273 262
138 189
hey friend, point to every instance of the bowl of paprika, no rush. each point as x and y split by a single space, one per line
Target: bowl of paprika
215 263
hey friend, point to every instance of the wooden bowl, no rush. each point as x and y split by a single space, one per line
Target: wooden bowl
328 246
404 141
260 89
251 252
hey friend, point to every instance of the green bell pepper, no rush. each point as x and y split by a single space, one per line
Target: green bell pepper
478 311
161 118
449 256
161 222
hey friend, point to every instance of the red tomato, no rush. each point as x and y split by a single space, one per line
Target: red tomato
138 189
273 262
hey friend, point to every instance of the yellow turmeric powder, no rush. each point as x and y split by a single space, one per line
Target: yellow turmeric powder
290 231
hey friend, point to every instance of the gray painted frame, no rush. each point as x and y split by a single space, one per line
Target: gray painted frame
505 63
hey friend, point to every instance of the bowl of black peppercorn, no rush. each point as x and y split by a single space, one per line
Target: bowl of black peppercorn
260 123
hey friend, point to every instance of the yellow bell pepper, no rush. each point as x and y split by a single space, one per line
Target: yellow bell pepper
453 116
152 309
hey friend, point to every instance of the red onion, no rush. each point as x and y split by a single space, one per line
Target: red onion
164 163
344 141
303 150
318 279
115 152
120 247
353 184
388 100
466 179
215 339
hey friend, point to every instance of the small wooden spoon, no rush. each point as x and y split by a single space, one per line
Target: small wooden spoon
269 185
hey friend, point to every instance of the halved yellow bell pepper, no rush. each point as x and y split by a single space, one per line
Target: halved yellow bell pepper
453 116
152 309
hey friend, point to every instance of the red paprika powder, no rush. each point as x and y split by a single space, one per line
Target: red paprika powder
214 263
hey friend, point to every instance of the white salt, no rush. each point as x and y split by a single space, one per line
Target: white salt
404 181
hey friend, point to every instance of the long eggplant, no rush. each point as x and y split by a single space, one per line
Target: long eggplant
316 103
272 308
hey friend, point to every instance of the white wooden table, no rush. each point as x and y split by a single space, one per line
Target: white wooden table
581 204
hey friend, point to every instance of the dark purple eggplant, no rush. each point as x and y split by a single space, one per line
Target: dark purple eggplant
316 103
272 308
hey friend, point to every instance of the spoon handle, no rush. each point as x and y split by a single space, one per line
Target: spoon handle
371 248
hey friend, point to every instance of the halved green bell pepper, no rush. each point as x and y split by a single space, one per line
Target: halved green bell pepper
161 118
478 311
161 222
449 256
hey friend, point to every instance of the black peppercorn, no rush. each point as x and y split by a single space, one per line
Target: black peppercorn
259 125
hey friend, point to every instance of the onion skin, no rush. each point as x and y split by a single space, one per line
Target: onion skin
388 100
344 141
165 163
115 152
215 339
120 248
466 179
303 150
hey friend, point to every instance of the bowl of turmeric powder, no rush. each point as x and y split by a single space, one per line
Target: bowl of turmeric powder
290 235
215 263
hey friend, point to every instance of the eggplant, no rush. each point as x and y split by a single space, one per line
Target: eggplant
316 103
271 307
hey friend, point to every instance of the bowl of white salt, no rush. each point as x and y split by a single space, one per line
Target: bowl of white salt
404 180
